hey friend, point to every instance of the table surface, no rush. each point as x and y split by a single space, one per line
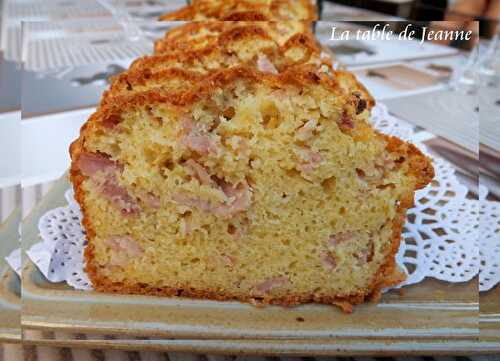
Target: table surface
10 85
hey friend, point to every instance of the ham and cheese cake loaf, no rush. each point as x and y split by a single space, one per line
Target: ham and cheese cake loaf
246 185
241 10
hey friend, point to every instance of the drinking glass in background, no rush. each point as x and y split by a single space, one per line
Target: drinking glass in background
481 68
122 17
489 66
465 78
140 23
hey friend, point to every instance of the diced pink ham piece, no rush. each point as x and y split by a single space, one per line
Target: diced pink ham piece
313 159
265 66
365 255
228 260
194 139
384 163
92 163
186 225
119 196
282 30
124 247
111 121
200 144
239 196
242 230
271 283
362 256
328 260
192 202
239 199
345 122
199 172
186 124
306 131
336 239
152 201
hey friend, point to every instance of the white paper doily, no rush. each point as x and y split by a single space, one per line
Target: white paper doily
439 238
489 241
60 255
440 234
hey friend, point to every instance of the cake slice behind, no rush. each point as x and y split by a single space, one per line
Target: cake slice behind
200 34
243 44
245 10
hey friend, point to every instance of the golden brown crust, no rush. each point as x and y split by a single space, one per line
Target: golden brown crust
163 69
193 29
128 81
185 13
419 165
222 33
349 82
241 10
421 168
193 35
242 32
105 285
249 15
200 33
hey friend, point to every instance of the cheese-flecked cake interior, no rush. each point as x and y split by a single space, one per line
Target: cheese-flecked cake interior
261 187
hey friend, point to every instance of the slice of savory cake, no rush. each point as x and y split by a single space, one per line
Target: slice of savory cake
201 34
251 186
241 10
237 44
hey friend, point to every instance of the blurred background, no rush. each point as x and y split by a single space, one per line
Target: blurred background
56 57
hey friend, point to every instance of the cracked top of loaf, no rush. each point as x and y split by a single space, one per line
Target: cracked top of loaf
200 34
227 45
241 10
